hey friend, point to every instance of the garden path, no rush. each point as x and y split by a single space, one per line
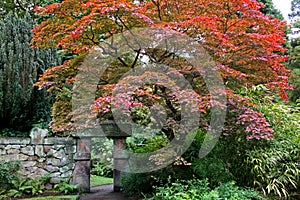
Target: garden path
104 192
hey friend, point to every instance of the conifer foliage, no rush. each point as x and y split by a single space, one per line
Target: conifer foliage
294 61
20 67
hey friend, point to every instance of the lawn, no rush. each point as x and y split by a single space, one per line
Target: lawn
100 180
95 181
70 197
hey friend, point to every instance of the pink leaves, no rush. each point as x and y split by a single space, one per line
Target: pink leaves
88 5
102 104
38 9
77 32
144 18
255 124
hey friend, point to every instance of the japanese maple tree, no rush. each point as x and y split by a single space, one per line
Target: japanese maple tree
243 42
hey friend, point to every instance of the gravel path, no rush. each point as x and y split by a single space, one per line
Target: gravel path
103 192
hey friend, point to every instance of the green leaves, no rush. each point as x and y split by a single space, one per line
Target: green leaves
20 67
198 189
274 169
65 187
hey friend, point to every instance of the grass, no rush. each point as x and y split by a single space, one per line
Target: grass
71 197
95 181
100 180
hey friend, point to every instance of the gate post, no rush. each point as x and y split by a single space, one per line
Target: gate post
81 174
120 160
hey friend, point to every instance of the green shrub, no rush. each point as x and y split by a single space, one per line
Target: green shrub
229 191
275 169
9 173
192 190
8 132
20 186
214 169
137 183
101 169
271 166
102 157
65 187
198 189
25 186
145 145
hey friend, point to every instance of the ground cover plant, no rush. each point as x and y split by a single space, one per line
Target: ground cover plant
16 185
198 189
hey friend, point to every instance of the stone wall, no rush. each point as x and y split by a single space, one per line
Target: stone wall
40 155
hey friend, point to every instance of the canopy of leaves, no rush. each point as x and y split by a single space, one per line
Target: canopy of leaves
20 7
243 42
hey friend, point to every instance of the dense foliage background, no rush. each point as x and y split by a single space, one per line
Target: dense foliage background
22 105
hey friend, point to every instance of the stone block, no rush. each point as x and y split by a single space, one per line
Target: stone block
53 161
39 172
22 157
39 151
81 176
66 168
8 157
64 161
37 135
58 147
28 163
47 148
41 165
41 160
13 151
12 141
2 151
59 154
16 146
70 149
66 174
51 168
55 180
35 158
30 170
55 175
28 150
